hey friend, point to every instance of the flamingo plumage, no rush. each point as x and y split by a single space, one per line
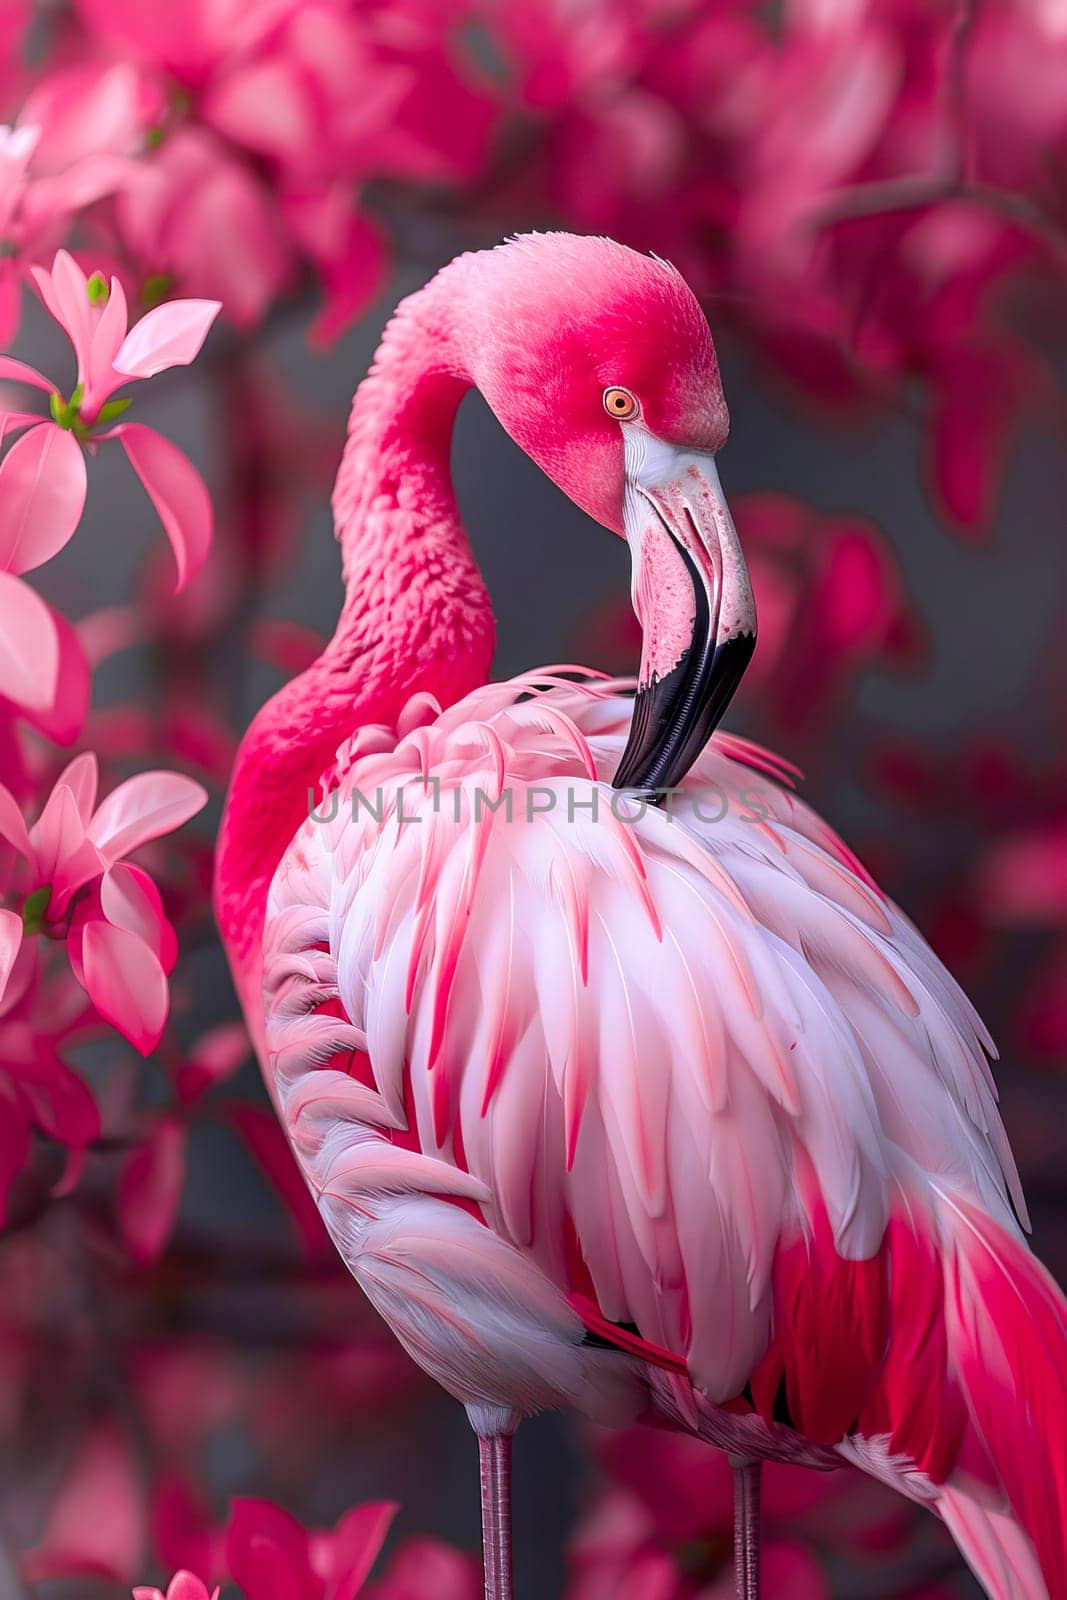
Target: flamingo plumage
620 1086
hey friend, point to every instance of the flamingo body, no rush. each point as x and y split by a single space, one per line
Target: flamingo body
637 1110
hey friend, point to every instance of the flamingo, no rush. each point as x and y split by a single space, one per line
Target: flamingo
619 1084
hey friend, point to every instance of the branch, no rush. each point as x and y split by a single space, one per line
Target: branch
922 191
952 179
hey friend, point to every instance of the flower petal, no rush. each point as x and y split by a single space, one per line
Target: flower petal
19 372
150 1190
142 808
29 646
81 776
107 342
355 1544
268 1552
42 496
184 1586
129 899
63 720
12 824
65 858
95 1526
169 336
177 491
66 297
10 945
126 983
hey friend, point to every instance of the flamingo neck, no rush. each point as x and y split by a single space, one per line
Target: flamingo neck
416 614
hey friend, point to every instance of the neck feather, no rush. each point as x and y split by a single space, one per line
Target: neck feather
416 615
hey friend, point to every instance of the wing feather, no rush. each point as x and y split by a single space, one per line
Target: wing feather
632 1040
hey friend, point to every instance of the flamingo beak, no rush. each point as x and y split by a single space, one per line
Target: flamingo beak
693 599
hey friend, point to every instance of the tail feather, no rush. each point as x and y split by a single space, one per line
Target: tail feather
939 1365
993 1545
1007 1332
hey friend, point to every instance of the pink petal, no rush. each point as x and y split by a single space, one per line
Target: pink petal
177 491
348 1553
150 1191
14 421
81 777
42 496
186 1538
66 297
169 336
267 1553
129 899
58 832
351 281
21 978
10 945
29 646
89 112
143 808
65 858
213 1058
10 303
96 1525
19 372
267 106
12 824
62 1105
126 983
183 1586
77 186
107 342
63 720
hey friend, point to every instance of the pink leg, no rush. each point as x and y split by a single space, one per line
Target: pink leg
494 1426
746 1527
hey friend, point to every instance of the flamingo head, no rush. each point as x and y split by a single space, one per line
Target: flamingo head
600 364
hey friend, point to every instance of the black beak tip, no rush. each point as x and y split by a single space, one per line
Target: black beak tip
674 717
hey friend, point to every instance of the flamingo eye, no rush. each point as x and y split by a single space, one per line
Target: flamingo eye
620 403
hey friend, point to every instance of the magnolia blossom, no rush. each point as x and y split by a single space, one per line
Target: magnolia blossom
73 883
70 148
93 314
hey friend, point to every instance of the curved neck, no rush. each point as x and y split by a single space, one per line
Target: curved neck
416 614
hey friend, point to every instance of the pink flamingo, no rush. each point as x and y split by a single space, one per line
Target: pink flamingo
639 1109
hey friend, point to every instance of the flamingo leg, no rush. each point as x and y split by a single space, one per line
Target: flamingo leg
746 1526
494 1427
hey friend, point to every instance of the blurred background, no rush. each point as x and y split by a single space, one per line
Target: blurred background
870 197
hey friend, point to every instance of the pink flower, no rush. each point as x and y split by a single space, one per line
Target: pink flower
71 147
195 215
183 1586
94 316
273 1558
75 885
